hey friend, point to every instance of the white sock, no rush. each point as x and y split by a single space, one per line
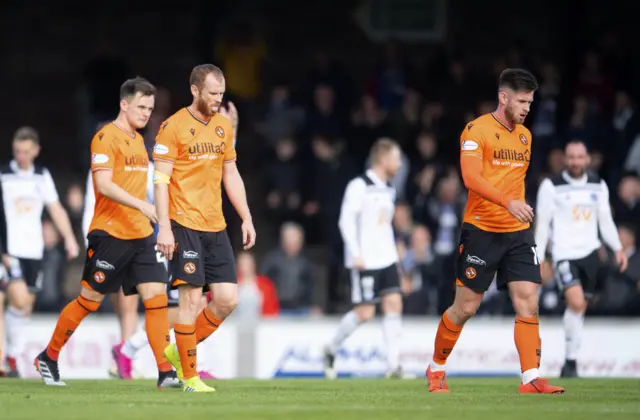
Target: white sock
435 367
16 323
348 324
135 343
530 375
573 325
392 328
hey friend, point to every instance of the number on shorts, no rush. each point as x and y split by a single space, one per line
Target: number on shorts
159 256
536 260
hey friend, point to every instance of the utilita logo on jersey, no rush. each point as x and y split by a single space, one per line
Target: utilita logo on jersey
511 157
206 150
137 163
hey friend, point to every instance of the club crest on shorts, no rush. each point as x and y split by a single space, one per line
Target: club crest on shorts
470 273
220 132
523 139
189 268
99 277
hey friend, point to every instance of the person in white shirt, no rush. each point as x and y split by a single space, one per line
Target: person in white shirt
25 190
371 255
573 212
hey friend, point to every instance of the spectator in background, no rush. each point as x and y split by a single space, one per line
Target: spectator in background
74 204
283 119
442 214
404 122
283 182
323 116
584 126
292 272
594 85
257 295
421 274
627 205
389 82
53 267
629 280
632 163
403 223
368 124
329 174
425 167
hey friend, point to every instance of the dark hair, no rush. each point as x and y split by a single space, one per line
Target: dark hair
137 85
199 73
576 142
26 133
518 80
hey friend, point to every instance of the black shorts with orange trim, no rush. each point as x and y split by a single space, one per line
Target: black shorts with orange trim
201 258
112 263
505 256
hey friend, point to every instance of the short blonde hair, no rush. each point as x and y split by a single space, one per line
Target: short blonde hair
381 147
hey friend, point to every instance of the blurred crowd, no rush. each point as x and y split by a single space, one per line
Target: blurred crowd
305 137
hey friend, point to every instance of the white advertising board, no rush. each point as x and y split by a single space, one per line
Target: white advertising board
295 349
87 355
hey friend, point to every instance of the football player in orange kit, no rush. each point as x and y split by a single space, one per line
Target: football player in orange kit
496 237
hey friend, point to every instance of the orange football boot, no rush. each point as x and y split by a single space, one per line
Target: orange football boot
437 380
540 386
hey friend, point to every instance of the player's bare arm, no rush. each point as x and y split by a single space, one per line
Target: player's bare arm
471 166
234 186
162 175
61 221
106 187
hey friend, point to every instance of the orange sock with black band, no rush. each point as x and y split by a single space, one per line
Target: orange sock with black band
186 342
68 321
446 338
206 324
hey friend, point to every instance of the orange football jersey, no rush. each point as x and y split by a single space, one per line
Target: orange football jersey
122 152
505 155
198 150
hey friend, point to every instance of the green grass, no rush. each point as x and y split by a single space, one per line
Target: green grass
477 398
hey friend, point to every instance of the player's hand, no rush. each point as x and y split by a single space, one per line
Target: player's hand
622 260
358 263
149 210
230 111
72 248
248 234
521 211
166 242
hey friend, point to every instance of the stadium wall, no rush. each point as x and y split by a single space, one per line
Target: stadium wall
293 348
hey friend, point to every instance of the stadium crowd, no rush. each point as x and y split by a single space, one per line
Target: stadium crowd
304 141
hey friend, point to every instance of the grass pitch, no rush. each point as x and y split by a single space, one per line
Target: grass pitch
370 399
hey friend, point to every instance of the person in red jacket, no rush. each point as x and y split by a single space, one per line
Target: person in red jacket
257 293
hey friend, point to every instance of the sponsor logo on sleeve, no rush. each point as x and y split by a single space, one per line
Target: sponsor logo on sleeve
469 145
160 149
99 158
